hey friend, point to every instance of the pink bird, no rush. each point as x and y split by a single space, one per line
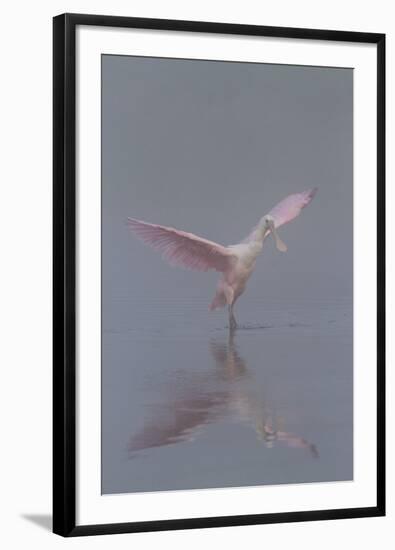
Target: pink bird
235 262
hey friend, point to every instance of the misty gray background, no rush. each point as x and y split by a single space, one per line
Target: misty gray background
210 147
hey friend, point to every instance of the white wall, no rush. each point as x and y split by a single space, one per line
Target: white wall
25 289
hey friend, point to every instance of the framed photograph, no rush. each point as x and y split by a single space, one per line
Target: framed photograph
219 274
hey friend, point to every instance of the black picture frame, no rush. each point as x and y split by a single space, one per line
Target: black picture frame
64 273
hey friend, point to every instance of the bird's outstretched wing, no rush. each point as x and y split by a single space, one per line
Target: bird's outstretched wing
183 249
285 211
290 207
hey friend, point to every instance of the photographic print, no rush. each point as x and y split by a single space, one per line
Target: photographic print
227 274
219 274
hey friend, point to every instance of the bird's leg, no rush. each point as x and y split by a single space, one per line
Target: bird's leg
232 320
230 299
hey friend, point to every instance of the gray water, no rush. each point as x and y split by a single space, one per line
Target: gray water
187 405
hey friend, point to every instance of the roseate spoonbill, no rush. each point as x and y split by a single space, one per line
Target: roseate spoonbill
235 262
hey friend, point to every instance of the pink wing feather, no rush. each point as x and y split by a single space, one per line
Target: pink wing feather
287 209
183 249
290 207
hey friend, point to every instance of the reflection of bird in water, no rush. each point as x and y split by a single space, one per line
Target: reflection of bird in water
178 420
251 407
271 436
235 262
196 405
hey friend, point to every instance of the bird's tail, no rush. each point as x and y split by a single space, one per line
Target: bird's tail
219 300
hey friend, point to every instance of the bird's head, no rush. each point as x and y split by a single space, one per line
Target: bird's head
268 226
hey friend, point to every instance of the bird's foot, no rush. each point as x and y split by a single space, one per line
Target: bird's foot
232 323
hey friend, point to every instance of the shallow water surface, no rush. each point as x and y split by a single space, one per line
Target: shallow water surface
189 405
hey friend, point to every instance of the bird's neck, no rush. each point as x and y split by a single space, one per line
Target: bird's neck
261 231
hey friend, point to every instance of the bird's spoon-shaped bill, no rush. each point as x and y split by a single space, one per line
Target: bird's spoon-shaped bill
280 245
